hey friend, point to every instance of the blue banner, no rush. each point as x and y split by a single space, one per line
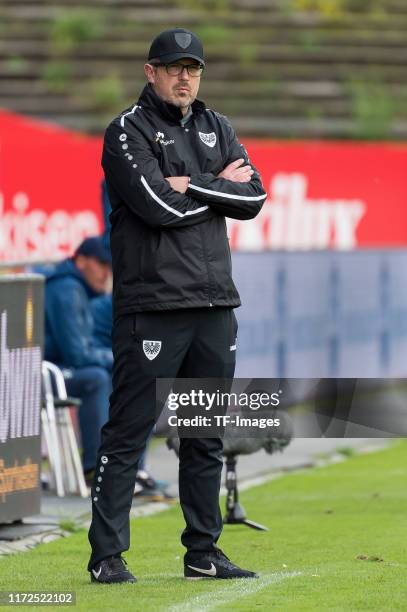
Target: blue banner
322 314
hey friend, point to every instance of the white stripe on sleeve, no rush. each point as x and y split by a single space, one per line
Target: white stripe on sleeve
129 113
228 195
166 206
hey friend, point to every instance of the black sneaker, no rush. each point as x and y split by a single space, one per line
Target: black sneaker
214 565
111 570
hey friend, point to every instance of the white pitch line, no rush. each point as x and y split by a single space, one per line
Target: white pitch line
232 591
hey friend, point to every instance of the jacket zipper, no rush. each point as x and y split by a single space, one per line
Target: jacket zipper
207 266
204 251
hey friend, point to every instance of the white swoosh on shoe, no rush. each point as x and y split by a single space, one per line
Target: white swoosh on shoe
209 572
97 574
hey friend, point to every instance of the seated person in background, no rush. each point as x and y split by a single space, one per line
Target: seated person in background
146 486
69 340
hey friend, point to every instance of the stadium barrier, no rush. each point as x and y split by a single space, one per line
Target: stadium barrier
21 340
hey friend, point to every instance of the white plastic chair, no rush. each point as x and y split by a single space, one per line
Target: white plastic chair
62 448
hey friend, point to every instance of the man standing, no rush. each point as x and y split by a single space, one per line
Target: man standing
174 169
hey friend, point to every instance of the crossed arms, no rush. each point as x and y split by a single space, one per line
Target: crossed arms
135 177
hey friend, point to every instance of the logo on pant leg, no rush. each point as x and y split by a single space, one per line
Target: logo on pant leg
151 348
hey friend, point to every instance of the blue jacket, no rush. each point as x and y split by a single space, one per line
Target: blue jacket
69 321
102 319
106 209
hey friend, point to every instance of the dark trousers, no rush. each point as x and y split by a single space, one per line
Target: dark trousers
195 343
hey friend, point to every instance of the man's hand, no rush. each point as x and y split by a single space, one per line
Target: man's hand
236 172
178 183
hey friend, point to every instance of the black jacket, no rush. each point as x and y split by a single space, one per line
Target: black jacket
170 250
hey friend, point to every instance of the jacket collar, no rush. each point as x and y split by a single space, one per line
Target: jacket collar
171 113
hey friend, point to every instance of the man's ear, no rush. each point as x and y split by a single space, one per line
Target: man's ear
149 71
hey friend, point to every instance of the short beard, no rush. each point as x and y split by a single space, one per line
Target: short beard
176 102
181 104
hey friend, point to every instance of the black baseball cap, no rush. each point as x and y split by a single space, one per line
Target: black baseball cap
175 44
94 247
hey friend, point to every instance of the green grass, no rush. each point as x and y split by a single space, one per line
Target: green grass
320 522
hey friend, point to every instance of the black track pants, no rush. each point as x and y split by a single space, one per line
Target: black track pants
195 343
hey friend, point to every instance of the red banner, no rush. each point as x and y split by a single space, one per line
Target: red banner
49 189
327 195
320 195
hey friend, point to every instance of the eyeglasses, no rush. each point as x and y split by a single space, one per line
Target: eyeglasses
194 70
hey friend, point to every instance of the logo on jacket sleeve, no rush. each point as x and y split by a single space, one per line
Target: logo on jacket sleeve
151 348
208 139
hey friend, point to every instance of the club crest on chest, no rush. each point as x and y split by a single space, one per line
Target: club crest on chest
208 139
